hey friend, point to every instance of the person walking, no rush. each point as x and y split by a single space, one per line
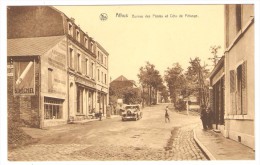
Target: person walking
203 117
167 116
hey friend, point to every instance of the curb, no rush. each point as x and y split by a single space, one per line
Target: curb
204 149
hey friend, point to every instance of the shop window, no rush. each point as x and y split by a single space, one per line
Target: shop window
80 100
53 108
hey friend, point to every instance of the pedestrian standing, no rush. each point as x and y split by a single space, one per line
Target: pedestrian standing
100 114
167 116
203 117
209 118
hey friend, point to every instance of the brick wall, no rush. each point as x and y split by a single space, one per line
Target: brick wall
23 110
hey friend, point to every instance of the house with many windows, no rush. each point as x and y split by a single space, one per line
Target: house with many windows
54 74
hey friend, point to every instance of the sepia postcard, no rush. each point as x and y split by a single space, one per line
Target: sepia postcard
95 83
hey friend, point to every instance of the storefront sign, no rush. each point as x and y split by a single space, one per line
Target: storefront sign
24 78
84 82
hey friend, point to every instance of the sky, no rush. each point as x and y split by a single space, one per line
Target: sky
162 39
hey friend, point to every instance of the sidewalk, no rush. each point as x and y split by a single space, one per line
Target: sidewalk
217 147
90 120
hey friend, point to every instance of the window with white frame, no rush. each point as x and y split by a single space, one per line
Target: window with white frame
53 108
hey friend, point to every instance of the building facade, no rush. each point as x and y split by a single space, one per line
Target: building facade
61 62
217 94
239 74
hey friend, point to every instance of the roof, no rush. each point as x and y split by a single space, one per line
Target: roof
31 46
219 65
121 78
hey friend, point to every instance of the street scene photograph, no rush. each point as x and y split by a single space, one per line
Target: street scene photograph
146 82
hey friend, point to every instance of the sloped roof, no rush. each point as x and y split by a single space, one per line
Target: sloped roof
31 46
121 78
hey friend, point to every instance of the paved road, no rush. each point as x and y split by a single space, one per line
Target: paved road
147 139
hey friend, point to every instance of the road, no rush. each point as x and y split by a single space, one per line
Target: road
111 139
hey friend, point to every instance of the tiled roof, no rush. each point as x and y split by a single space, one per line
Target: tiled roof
31 46
121 78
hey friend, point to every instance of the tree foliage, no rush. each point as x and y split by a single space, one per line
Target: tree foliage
129 95
196 80
175 80
150 79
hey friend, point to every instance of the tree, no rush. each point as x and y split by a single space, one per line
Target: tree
196 77
150 79
164 92
214 51
130 95
175 80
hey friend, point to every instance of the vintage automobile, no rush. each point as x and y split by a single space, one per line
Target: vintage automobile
132 112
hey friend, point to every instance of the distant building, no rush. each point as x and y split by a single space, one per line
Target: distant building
122 82
52 68
232 80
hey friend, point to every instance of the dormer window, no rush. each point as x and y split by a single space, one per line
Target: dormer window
92 47
70 29
86 42
77 35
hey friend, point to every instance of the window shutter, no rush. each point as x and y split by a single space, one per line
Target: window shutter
244 88
232 92
232 81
